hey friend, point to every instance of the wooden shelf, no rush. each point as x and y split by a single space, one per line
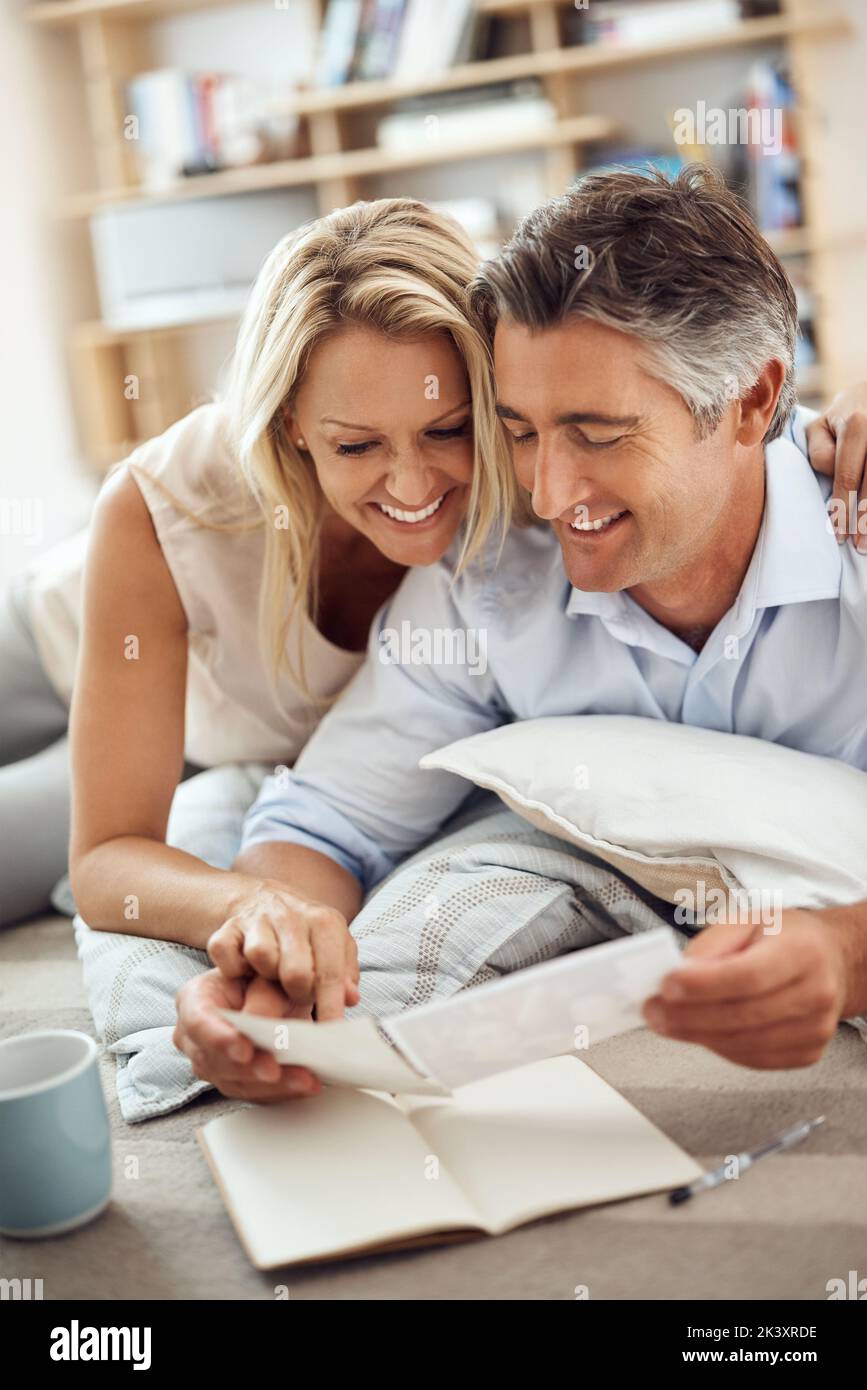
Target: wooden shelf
65 12
293 173
93 333
587 59
580 59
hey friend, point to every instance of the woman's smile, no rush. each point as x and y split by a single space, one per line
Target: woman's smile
419 518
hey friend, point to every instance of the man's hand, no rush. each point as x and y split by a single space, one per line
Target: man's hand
837 443
222 1055
768 1001
305 946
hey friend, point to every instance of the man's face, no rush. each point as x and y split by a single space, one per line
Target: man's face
610 455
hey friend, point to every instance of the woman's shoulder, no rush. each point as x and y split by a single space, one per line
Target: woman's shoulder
192 464
202 430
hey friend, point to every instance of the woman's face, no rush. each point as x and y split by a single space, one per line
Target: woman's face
389 427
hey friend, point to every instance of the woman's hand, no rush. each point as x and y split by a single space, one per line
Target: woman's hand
305 946
837 442
225 1058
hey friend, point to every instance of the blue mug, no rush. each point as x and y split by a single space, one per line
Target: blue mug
55 1149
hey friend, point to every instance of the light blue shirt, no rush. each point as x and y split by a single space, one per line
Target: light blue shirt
788 663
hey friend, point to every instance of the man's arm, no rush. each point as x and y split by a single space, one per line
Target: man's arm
354 804
356 796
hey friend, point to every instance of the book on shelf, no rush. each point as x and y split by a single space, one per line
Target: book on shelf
654 21
774 167
518 89
337 42
379 36
196 123
480 113
432 37
166 124
407 40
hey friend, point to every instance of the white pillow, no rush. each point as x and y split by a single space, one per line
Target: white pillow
676 807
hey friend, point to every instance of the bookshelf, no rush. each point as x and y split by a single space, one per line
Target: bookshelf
112 38
324 169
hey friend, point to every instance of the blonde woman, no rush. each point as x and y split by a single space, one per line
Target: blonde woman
345 450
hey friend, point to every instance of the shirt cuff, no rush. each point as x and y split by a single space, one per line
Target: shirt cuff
335 837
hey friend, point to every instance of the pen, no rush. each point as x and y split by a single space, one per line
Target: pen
746 1160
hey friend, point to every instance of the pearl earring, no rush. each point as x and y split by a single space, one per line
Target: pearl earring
302 444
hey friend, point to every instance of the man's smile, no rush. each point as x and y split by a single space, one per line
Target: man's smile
581 528
591 525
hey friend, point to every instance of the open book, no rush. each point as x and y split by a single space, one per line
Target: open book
394 1153
349 1172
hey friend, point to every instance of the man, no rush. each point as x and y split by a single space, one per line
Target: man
647 399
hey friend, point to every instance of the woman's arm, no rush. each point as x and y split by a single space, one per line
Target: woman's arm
127 739
127 736
837 441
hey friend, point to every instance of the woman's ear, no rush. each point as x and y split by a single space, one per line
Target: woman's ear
758 405
290 424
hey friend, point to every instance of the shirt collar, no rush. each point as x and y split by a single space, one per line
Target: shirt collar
796 558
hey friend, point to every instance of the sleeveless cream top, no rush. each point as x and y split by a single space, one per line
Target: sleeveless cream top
236 710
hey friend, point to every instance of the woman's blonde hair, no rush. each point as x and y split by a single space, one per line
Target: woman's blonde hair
394 265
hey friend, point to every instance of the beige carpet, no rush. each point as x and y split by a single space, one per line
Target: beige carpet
781 1231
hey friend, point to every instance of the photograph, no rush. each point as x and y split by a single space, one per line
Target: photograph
433 672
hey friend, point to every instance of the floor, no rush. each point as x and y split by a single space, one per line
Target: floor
780 1231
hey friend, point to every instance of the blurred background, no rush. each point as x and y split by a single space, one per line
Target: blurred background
155 150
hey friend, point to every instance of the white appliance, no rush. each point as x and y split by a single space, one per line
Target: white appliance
179 262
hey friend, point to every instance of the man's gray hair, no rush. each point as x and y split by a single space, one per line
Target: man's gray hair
677 263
